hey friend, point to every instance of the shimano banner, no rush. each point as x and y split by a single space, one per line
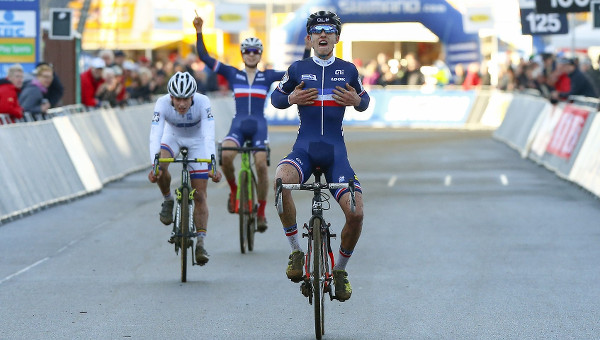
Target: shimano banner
438 16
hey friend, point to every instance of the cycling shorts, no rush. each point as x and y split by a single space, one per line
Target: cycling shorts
248 128
196 148
334 165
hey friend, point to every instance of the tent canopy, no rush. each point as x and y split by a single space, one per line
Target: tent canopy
439 16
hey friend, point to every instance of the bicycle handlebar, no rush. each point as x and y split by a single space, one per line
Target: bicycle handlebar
158 160
244 149
313 186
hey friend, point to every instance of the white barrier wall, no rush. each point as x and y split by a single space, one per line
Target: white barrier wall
47 162
565 138
43 163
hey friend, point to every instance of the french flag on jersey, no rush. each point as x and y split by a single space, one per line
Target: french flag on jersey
244 91
325 98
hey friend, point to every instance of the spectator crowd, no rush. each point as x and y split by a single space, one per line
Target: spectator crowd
109 78
112 79
553 76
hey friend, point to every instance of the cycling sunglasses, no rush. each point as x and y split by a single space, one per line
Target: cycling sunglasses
251 50
317 29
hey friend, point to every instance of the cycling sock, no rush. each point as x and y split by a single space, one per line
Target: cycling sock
261 207
342 260
292 236
201 236
168 197
232 186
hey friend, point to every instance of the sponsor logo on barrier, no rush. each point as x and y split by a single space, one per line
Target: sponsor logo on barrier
567 132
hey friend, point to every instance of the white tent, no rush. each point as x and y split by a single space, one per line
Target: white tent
581 37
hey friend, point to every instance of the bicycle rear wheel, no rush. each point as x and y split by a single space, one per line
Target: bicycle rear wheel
184 230
244 212
317 278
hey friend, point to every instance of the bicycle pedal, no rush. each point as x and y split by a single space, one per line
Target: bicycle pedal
304 235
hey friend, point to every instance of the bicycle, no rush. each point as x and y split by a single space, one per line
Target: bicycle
246 192
183 224
319 256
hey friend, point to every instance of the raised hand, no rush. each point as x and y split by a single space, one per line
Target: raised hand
198 22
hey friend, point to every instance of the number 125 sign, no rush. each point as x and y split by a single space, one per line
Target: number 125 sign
534 23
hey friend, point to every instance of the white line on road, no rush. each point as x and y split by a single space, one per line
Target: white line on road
23 270
71 243
392 181
448 180
504 179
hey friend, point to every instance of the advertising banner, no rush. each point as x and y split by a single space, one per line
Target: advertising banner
567 131
397 108
19 34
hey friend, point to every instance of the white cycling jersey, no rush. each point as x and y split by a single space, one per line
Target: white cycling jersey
195 129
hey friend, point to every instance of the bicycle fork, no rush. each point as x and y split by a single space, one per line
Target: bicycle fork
177 233
326 235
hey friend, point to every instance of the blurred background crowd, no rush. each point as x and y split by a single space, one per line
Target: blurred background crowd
113 79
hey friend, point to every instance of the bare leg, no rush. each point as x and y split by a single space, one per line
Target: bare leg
227 157
200 204
288 174
354 220
260 163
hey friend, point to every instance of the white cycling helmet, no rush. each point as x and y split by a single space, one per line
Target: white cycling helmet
251 43
182 85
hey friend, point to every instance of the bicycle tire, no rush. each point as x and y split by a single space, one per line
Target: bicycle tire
253 220
317 278
184 230
243 212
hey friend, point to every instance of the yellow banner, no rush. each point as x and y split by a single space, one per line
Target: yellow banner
17 50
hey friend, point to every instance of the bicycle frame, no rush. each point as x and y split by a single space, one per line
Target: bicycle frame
318 281
183 226
246 193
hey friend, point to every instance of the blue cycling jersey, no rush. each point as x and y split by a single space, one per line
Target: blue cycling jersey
249 98
320 140
323 119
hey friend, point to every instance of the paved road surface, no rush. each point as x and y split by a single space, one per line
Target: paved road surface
463 239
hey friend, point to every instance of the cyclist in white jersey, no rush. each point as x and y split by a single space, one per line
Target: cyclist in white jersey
183 118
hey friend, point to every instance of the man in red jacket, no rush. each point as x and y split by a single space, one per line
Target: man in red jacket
90 81
9 92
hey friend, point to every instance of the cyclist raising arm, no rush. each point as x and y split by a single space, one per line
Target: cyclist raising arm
183 118
250 87
322 87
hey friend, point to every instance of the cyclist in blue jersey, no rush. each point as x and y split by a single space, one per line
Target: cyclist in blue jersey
322 87
250 87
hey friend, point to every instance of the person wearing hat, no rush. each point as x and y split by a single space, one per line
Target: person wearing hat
322 87
91 81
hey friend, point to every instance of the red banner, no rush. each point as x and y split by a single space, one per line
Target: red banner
567 131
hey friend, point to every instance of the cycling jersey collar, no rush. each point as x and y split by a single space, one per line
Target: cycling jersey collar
322 62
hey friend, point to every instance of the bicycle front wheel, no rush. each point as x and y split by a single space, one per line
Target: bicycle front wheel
184 231
317 278
244 213
253 217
